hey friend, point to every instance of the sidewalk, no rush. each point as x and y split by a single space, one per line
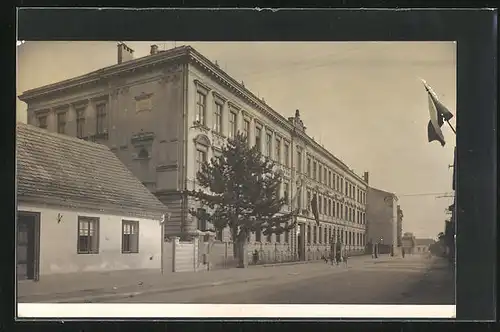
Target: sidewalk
94 286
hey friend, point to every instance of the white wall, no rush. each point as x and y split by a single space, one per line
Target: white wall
58 243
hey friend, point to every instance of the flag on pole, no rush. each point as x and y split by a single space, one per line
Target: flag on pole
438 113
314 207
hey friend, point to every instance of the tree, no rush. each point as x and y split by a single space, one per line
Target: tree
241 190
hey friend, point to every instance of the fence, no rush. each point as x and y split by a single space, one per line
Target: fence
220 254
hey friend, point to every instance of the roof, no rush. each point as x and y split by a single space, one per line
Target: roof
60 170
170 55
424 242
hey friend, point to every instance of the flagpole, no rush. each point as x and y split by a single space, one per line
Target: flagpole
449 124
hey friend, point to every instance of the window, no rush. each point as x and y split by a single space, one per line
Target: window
337 210
233 125
330 207
314 170
61 122
258 235
278 238
201 103
320 173
218 118
202 223
308 200
315 234
319 234
258 133
80 123
309 234
219 233
88 235
269 140
299 161
325 206
130 236
308 167
334 210
299 198
286 157
42 122
269 238
333 181
320 201
325 173
287 233
201 157
286 192
246 129
326 236
277 150
101 122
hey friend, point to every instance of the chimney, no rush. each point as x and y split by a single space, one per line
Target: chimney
125 53
216 64
153 50
365 177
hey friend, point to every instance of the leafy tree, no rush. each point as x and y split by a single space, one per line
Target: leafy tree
240 189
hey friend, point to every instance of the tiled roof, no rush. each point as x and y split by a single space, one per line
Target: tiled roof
424 242
70 172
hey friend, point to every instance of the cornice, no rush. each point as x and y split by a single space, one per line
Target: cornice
104 74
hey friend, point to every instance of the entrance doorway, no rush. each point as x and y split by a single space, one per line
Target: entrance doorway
28 245
301 245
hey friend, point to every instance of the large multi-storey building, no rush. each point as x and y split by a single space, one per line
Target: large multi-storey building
166 113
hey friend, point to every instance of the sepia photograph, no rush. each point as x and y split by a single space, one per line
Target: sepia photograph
236 173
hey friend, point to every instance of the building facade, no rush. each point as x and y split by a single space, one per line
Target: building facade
382 218
166 113
80 209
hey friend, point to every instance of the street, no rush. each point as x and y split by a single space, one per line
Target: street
412 280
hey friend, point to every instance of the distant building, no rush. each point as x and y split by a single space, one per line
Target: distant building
80 209
382 218
166 113
423 245
400 226
408 243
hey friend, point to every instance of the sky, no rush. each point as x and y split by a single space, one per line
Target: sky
363 101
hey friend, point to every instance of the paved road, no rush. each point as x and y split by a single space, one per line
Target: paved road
412 280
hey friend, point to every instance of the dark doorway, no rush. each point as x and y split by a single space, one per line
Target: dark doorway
28 228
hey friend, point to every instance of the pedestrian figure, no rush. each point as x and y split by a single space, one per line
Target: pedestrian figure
403 252
337 258
345 258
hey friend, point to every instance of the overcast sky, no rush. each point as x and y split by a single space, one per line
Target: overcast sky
363 101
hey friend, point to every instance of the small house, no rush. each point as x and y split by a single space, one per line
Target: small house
80 209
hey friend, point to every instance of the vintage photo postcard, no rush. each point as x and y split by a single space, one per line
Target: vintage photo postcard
236 179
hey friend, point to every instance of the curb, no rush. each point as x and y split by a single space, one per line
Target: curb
287 263
106 297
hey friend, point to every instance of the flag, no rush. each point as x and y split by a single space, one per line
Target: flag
438 113
314 206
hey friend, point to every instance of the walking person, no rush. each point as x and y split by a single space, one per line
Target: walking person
346 256
337 257
403 252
